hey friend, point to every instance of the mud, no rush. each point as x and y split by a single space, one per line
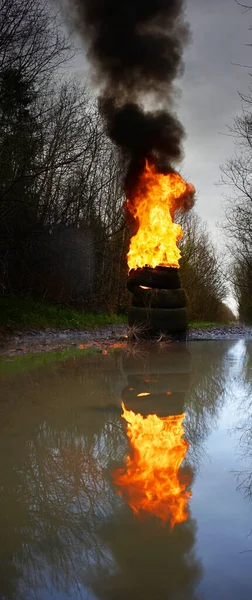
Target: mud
20 342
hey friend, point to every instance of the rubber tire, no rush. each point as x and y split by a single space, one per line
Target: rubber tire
159 404
175 360
173 382
156 298
165 278
163 320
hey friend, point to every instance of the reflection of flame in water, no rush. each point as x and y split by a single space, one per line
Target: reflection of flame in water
150 482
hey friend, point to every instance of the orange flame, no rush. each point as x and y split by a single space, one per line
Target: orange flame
155 201
150 481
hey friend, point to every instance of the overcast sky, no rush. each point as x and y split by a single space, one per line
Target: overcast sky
210 97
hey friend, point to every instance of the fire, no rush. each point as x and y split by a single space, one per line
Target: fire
153 205
150 482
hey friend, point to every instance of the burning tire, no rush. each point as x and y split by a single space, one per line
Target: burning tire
157 298
163 320
165 278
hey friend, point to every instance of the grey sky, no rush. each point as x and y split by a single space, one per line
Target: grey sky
210 97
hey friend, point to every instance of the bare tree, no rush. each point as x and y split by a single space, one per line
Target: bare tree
32 39
237 175
60 176
201 271
245 6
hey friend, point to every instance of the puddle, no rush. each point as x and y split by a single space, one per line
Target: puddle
152 505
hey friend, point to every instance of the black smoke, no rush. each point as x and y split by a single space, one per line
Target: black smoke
136 47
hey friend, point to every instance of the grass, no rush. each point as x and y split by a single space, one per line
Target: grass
207 324
25 313
203 324
28 313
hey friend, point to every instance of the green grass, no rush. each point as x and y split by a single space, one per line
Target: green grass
27 313
203 324
207 324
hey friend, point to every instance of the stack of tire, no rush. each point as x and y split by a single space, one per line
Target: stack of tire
158 303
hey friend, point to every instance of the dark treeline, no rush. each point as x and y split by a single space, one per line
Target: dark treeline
62 229
61 218
202 273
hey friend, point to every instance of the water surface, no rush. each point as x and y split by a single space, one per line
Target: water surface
66 533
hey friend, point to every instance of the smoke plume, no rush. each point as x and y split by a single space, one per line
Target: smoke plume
136 47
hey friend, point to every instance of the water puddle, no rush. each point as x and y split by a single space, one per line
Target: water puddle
127 475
